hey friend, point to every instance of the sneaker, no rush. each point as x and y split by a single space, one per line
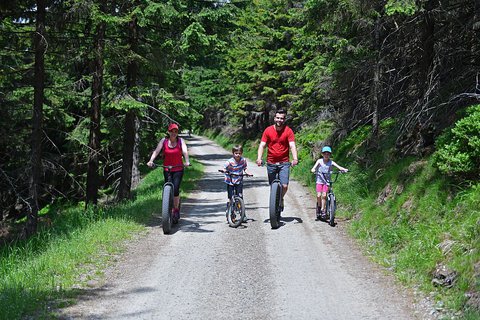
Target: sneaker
245 219
323 214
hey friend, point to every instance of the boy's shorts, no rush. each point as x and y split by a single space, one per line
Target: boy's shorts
322 187
239 188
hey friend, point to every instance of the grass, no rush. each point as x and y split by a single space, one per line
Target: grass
408 217
51 268
412 221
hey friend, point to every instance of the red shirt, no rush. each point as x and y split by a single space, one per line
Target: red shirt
173 156
278 143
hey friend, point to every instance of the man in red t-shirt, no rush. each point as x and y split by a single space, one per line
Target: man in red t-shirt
279 139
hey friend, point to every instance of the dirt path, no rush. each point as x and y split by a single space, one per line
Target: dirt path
206 270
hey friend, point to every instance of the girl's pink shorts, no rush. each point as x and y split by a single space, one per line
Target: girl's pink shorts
322 188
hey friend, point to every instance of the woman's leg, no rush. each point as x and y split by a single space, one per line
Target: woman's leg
176 202
177 180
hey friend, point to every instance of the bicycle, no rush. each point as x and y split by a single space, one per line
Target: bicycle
236 207
331 205
276 197
167 200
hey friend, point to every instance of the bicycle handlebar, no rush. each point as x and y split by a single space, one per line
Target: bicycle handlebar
331 172
330 181
235 174
169 167
277 163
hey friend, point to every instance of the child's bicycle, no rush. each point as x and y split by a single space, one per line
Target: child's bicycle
331 205
236 207
167 200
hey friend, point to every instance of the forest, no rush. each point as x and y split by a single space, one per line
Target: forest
87 87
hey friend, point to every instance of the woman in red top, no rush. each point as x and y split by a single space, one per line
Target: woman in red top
173 149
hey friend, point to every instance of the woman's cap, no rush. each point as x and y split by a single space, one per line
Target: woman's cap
172 126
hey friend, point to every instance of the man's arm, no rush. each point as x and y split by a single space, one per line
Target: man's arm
261 147
293 149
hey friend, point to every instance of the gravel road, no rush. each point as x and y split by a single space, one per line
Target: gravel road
207 270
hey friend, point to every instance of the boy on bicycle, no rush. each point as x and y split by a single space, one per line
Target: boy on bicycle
322 169
237 165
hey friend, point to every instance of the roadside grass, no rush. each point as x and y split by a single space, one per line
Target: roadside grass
413 222
409 218
48 270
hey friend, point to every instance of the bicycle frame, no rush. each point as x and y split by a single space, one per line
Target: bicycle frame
169 175
231 174
235 200
167 200
329 180
331 202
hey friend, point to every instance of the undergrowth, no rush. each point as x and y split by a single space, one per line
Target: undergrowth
412 220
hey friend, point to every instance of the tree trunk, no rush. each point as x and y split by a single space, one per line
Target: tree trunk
426 82
136 155
130 120
427 42
95 115
476 43
127 160
376 80
37 118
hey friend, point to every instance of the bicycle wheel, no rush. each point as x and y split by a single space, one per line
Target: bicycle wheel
236 213
332 206
167 206
274 206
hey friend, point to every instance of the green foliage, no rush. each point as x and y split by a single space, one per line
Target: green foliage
406 7
260 60
458 149
165 13
194 37
307 138
127 103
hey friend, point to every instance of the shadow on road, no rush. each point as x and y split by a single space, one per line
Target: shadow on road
206 159
284 220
